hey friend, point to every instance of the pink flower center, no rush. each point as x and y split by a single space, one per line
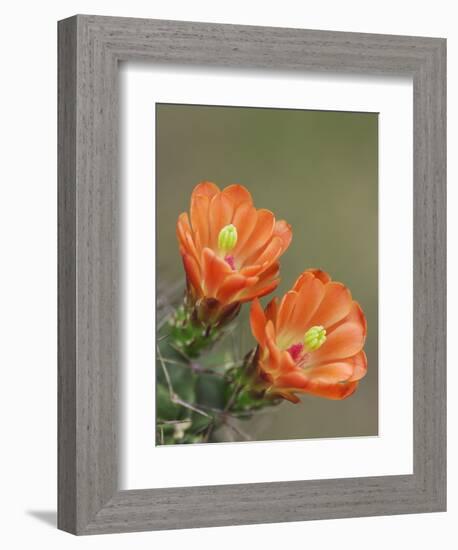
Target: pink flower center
230 261
295 351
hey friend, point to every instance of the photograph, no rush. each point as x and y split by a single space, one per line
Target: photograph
225 265
266 274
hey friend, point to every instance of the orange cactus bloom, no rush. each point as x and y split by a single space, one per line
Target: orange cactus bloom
230 249
312 342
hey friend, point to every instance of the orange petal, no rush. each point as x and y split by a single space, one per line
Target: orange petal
219 215
331 391
317 273
183 227
185 236
207 188
294 379
238 194
271 310
345 341
232 285
259 237
285 310
357 315
335 306
283 230
244 219
320 274
214 271
259 290
192 272
251 270
191 247
287 362
269 272
270 253
330 373
285 395
199 218
268 281
286 367
258 321
304 278
359 362
291 397
309 298
274 351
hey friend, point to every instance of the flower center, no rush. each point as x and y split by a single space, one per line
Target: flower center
295 351
227 238
230 260
314 338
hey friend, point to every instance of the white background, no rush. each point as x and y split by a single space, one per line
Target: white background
388 454
28 274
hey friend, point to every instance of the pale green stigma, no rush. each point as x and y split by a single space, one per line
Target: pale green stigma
227 238
314 338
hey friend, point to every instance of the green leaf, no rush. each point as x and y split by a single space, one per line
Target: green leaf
199 423
210 391
165 409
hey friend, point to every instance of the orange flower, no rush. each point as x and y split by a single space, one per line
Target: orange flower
230 250
312 342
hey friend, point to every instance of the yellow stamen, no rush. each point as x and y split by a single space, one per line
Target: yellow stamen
227 238
314 338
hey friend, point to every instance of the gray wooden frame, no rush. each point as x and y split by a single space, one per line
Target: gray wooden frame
90 48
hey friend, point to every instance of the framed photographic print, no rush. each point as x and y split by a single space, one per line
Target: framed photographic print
251 274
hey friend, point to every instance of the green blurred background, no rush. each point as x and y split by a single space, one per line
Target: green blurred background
319 171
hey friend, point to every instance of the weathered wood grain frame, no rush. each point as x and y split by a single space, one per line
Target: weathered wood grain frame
90 48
